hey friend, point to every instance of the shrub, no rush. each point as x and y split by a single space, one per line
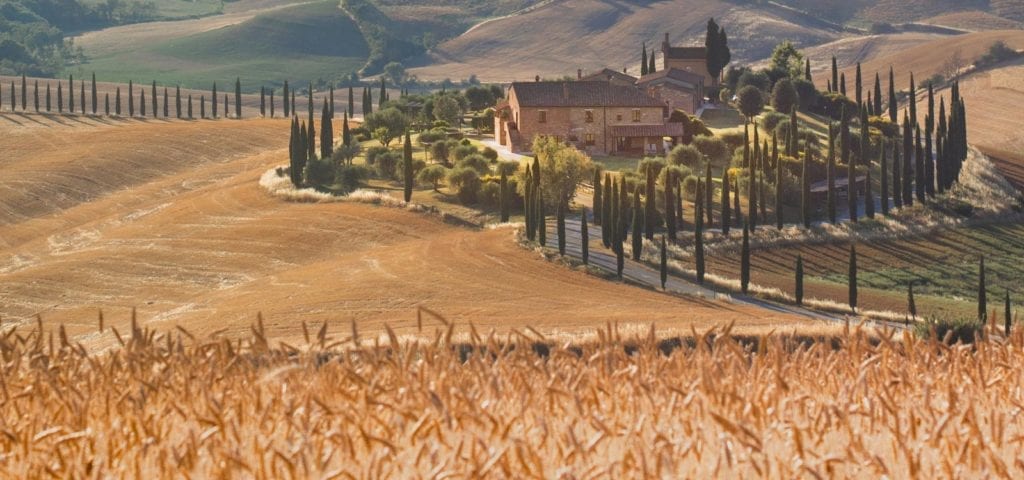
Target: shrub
476 162
784 96
724 95
431 137
509 168
733 140
387 164
751 101
490 154
690 186
771 120
692 126
884 126
489 192
463 151
440 152
417 166
647 164
807 93
831 105
881 28
373 152
959 330
715 148
351 176
564 168
998 52
466 182
432 175
687 155
319 172
759 80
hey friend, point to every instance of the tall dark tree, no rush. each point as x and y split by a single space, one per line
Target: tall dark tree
14 96
60 97
346 136
607 207
1007 314
807 71
698 233
650 217
644 70
541 218
106 104
919 162
167 104
726 209
929 130
327 135
779 187
830 173
503 200
351 103
762 172
310 136
309 103
238 97
214 98
153 99
737 213
908 162
131 99
284 97
35 96
716 44
142 102
883 170
835 75
842 84
670 203
912 101
331 99
638 226
560 226
263 101
383 94
407 171
911 304
95 95
24 93
190 107
226 111
117 101
798 290
709 192
859 85
877 98
852 278
81 96
528 204
893 102
982 301
941 164
584 236
869 196
295 111
805 190
745 260
177 101
202 106
272 112
752 183
653 66
71 94
47 96
598 199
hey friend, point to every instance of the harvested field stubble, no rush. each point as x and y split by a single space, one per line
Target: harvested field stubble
166 404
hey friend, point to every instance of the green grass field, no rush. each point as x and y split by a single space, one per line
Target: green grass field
179 9
302 43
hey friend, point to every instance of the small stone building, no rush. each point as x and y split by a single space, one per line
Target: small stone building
680 90
688 59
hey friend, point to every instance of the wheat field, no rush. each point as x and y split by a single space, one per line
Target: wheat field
165 404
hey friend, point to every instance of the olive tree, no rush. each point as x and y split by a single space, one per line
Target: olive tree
386 125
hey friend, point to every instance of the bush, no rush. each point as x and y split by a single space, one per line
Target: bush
690 186
678 171
373 152
509 168
440 152
831 105
417 166
771 120
959 330
432 175
387 164
758 80
807 93
490 154
692 126
882 28
466 182
687 155
714 148
475 161
351 176
319 172
784 96
360 133
751 101
489 192
463 151
998 52
733 140
431 137
649 163
884 126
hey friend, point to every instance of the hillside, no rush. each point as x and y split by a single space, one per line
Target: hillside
169 217
561 37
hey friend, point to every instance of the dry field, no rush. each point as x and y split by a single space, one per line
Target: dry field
168 217
974 21
166 405
589 34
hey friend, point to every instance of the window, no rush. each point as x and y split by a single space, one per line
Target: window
543 116
589 139
589 114
618 117
636 115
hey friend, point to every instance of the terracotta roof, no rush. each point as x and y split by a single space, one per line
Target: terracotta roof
687 53
608 74
666 130
580 94
672 74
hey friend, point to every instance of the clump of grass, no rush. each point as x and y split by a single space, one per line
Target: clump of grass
950 330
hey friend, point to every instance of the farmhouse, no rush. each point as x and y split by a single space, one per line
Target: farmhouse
599 117
688 59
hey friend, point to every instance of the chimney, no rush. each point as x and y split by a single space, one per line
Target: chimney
579 74
537 78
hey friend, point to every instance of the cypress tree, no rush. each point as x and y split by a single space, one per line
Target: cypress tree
177 101
228 115
117 101
752 184
598 200
726 210
167 104
912 100
263 101
48 97
623 207
746 145
941 165
892 97
131 99
680 219
919 165
779 214
852 279
346 136
638 226
799 289
929 129
106 104
792 142
869 196
142 102
331 97
835 75
762 171
311 137
82 97
272 103
284 96
302 152
560 227
542 221
153 99
202 106
908 155
883 170
24 93
698 233
807 70
584 236
858 84
607 206
60 97
643 60
877 106
71 93
652 67
327 138
664 267
351 103
620 260
805 190
213 99
528 204
295 111
738 214
982 302
745 260
95 96
406 159
842 84
650 207
238 98
709 192
911 304
383 94
897 178
14 103
503 197
1007 314
670 204
35 96
190 107
309 103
